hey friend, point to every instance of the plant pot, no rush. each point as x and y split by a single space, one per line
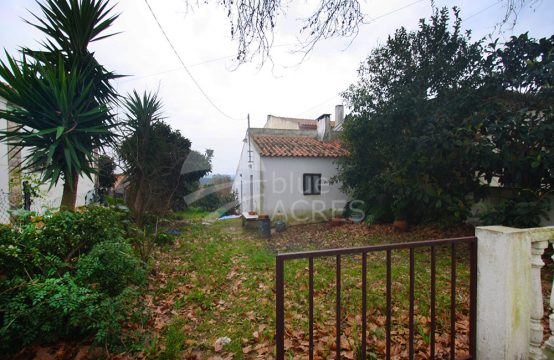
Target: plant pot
400 225
337 222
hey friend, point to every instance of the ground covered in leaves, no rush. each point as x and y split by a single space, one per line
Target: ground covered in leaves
216 285
211 295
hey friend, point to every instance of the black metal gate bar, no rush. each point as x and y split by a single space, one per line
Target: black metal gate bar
337 339
364 304
389 300
337 253
433 279
453 304
411 315
473 299
311 312
280 308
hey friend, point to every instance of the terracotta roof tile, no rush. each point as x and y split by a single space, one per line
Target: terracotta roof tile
298 146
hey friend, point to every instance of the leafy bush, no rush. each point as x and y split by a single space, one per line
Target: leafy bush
110 265
46 244
412 150
212 201
520 212
65 274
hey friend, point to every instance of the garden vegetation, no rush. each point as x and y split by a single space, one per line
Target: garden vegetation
437 118
66 275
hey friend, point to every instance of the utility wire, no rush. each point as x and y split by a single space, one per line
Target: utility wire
395 11
318 105
186 68
137 77
217 59
482 10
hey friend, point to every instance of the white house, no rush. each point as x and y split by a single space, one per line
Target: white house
286 169
11 178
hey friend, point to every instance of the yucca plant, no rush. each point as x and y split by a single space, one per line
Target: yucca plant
140 146
60 96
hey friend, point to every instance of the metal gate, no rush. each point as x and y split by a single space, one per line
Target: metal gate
388 249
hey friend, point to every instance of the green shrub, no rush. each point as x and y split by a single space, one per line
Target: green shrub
110 266
64 275
47 244
53 308
41 309
521 212
226 202
164 239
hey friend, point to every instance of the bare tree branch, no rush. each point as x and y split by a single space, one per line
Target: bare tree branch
253 22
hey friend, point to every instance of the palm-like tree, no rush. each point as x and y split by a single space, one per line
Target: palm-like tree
139 148
61 95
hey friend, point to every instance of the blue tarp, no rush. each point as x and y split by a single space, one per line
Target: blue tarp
229 217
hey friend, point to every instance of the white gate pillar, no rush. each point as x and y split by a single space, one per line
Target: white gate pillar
510 304
503 293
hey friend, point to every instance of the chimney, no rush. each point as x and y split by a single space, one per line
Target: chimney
324 127
339 116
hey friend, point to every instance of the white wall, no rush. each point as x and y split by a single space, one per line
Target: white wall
52 198
4 173
276 122
278 187
244 172
282 189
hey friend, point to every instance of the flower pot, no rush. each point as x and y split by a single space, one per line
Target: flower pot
337 222
400 225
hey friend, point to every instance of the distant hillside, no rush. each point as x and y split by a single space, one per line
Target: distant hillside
208 180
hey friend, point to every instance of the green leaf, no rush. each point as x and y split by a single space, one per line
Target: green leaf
59 132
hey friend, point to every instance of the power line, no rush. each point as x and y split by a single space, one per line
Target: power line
137 77
186 68
395 11
318 105
482 10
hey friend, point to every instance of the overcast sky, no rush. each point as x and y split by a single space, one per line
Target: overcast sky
201 35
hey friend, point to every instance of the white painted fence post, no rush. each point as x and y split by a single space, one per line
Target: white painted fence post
503 288
510 303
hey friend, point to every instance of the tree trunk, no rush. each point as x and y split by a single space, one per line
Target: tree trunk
69 197
138 203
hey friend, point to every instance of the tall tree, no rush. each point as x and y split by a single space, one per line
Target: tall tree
60 95
518 127
158 162
410 135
